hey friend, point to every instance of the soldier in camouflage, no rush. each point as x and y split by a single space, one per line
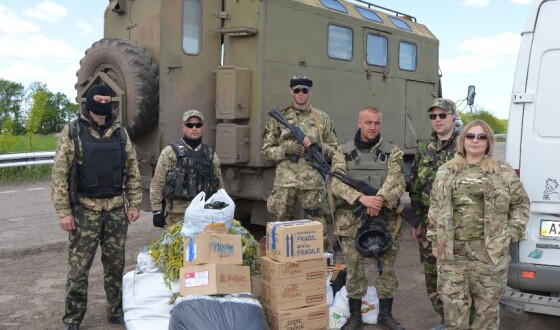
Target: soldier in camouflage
100 162
478 207
183 170
370 158
295 178
429 157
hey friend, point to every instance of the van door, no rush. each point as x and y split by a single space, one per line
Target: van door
539 161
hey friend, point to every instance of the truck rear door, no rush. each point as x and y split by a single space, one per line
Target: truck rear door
540 141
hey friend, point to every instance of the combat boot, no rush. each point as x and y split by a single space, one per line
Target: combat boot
385 317
355 320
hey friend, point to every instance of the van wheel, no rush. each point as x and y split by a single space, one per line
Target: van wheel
132 68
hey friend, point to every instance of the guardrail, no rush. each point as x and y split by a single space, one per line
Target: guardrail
26 159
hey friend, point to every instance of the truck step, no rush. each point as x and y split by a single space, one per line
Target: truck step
519 302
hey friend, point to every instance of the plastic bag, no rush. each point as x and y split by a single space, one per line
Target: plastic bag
370 306
197 216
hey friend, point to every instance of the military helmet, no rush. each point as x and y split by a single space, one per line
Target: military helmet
374 241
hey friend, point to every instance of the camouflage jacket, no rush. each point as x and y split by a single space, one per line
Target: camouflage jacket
63 159
346 223
429 157
506 211
167 161
277 137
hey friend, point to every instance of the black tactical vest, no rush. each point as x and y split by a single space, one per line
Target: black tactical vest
102 171
193 173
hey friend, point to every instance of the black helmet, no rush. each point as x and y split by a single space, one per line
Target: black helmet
373 241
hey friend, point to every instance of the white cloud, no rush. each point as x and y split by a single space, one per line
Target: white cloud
10 23
36 47
468 64
86 28
522 2
47 11
506 43
476 3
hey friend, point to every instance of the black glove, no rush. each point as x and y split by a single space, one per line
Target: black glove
159 219
294 149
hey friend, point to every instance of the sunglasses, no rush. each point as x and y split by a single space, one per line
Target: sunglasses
433 116
197 125
298 90
480 136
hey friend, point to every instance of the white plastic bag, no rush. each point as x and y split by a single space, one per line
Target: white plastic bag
341 309
370 306
197 217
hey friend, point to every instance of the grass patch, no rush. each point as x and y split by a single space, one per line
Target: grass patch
25 173
29 173
38 143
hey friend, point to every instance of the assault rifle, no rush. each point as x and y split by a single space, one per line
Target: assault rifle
312 154
316 159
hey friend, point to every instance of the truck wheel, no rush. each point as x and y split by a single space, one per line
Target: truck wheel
132 68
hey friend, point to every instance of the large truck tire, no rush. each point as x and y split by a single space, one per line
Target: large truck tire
132 68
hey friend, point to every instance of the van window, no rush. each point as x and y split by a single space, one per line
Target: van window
376 50
400 24
334 5
340 42
407 56
192 26
368 14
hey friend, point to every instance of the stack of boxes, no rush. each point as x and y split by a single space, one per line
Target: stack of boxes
213 265
294 276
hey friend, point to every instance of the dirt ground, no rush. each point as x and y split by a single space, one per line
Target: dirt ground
33 268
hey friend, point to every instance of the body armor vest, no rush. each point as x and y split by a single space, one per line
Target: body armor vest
193 173
102 171
371 167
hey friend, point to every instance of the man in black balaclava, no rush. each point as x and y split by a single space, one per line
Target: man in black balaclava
94 166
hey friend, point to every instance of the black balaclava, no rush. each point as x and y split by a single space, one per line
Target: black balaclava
100 109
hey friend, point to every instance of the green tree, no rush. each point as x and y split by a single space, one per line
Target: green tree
7 138
40 99
498 125
11 97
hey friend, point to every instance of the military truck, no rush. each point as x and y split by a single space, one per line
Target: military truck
233 59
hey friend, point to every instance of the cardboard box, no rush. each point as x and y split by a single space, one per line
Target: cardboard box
212 279
292 296
208 248
288 273
307 318
294 240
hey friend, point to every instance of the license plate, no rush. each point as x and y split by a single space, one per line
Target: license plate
550 229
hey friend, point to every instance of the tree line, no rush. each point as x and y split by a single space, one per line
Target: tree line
32 110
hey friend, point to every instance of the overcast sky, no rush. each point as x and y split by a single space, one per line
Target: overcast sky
479 40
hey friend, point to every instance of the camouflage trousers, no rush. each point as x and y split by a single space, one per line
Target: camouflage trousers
430 271
107 229
356 280
471 286
281 204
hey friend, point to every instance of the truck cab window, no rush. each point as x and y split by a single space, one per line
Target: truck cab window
400 24
192 26
334 5
407 56
340 42
376 50
368 14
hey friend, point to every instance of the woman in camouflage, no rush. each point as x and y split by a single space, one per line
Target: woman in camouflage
478 207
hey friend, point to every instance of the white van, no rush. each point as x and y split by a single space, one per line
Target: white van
533 149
